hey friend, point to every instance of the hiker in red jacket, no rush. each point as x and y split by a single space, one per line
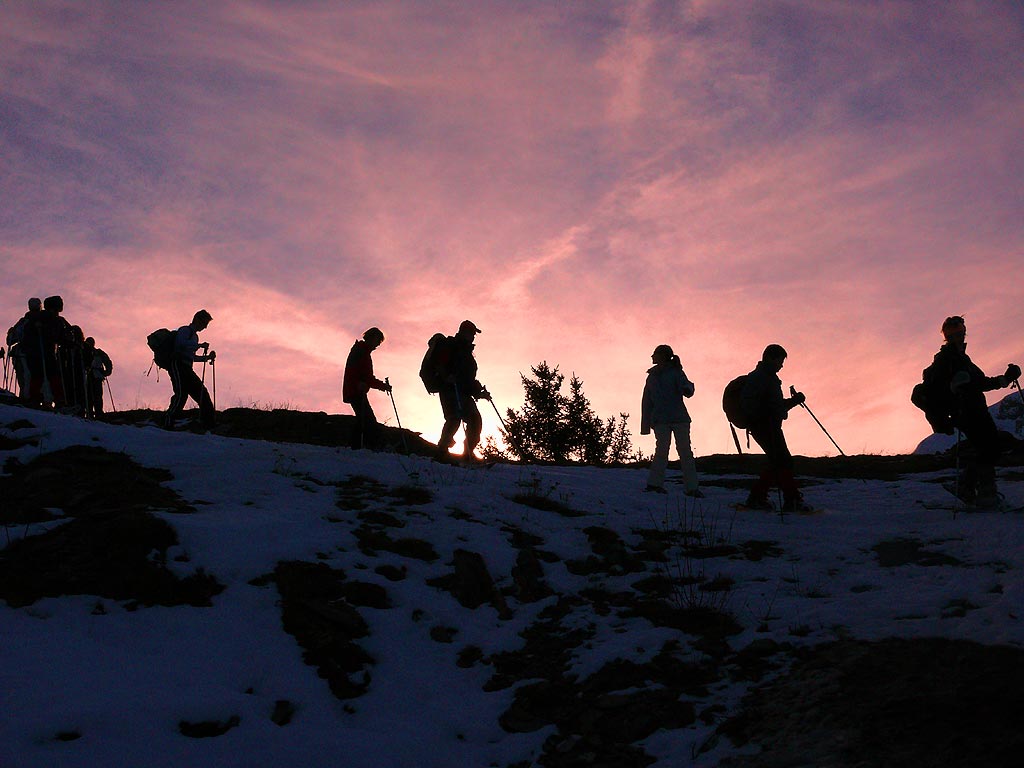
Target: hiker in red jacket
358 381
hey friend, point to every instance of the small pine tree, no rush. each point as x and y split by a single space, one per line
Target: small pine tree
558 428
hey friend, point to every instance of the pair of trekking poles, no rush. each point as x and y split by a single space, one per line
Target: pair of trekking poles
401 431
213 374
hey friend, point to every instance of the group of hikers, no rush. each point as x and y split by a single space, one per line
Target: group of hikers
53 363
952 396
57 366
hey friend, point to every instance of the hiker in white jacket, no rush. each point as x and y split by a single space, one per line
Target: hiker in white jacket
664 412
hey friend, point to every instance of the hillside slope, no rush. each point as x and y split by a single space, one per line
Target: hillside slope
209 600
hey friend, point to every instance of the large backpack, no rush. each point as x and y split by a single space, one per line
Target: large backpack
732 402
16 333
933 396
161 341
435 360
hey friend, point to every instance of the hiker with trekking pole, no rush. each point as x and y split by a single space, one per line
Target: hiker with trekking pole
952 396
449 369
177 355
97 368
357 382
755 402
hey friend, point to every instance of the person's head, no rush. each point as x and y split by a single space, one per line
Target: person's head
662 354
90 343
77 334
34 304
468 330
53 304
954 330
373 336
201 319
775 355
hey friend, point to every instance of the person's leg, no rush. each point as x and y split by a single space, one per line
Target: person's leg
687 464
452 420
662 441
178 393
759 490
979 482
195 388
474 426
364 435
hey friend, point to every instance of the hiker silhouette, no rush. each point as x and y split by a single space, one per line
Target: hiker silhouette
455 369
357 382
184 380
954 370
765 407
664 412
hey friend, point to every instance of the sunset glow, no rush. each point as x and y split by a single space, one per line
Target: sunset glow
583 180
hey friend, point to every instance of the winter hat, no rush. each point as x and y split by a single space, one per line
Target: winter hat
373 333
35 304
53 304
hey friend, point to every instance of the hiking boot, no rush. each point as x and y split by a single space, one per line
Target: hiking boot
758 502
989 500
796 505
655 489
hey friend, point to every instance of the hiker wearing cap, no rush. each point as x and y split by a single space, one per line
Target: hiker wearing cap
766 407
663 411
184 380
357 383
97 367
970 415
459 390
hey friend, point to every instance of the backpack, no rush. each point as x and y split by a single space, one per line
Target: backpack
435 360
161 341
732 402
16 333
933 396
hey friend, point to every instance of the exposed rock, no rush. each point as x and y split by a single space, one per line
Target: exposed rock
81 481
105 555
471 583
315 609
892 703
208 729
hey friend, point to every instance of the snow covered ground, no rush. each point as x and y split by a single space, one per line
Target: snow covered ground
91 681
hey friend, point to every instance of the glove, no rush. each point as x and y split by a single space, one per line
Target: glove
213 356
1012 372
387 387
205 345
484 394
798 398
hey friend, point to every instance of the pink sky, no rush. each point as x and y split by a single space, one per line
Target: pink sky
584 180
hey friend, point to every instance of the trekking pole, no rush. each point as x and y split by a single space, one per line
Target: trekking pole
504 427
401 431
213 373
1016 385
792 391
735 439
109 392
